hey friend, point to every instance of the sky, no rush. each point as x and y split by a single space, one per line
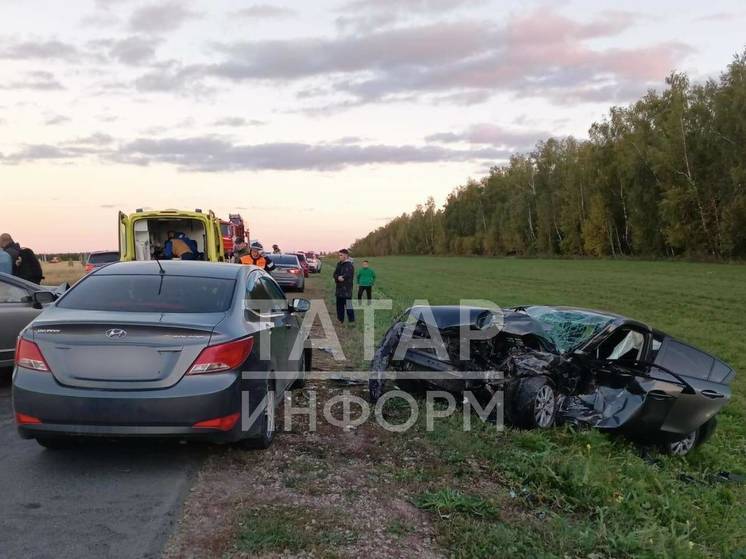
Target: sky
317 121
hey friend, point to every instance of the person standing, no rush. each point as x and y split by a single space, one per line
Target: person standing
366 278
256 257
25 263
6 263
344 276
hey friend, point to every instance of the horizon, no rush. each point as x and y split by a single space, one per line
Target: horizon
317 123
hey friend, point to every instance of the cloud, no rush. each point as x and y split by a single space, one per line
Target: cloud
95 139
363 15
39 81
51 49
133 50
54 120
264 11
463 62
237 121
216 154
210 154
419 6
160 18
492 135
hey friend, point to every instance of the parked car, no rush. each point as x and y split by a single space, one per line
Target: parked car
160 349
143 234
20 302
101 258
314 262
288 272
303 263
563 364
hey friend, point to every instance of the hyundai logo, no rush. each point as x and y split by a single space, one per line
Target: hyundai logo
116 333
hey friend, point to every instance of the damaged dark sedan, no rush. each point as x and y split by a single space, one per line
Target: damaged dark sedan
561 365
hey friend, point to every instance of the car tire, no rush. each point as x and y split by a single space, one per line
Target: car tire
267 423
681 445
55 443
535 403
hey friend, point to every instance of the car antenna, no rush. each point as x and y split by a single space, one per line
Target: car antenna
157 261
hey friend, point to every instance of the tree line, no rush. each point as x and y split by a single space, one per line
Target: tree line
663 177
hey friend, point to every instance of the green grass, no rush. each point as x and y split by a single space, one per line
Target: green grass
580 494
293 529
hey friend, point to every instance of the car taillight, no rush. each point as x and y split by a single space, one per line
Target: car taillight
23 419
220 423
222 357
294 271
28 355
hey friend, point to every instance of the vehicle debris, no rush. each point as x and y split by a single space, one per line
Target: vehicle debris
560 365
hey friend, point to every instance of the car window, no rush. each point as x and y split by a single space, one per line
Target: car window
284 260
262 295
624 344
684 360
279 302
12 294
103 257
150 293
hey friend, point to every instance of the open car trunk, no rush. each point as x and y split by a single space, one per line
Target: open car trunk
151 236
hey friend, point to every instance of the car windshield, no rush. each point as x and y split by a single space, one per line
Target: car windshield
225 229
103 257
569 328
284 260
150 293
301 258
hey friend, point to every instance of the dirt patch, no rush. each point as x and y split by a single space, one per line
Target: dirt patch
333 492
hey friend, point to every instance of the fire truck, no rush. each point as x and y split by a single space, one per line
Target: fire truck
234 230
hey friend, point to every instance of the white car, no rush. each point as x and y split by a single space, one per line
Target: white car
314 262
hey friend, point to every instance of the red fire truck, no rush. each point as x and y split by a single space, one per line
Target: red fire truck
234 230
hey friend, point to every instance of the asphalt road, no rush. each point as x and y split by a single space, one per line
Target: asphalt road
109 500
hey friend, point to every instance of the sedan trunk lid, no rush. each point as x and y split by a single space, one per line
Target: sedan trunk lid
125 351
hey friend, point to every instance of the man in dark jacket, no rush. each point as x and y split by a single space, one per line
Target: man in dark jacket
25 263
344 274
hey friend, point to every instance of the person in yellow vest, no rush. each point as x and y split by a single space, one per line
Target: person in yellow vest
256 257
179 246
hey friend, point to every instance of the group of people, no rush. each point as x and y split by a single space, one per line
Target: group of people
344 278
17 261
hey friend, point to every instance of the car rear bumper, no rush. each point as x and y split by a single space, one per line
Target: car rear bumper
290 282
170 412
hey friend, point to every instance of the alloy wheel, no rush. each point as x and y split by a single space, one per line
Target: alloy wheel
685 445
544 407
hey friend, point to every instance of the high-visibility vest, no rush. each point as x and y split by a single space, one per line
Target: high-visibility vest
249 260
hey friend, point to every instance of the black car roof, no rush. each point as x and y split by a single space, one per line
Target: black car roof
218 270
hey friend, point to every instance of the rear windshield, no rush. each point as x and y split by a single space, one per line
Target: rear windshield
150 293
103 257
301 257
284 259
225 229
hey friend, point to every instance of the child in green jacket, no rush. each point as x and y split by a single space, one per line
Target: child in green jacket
366 277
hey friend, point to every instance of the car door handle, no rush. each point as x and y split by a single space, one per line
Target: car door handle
712 394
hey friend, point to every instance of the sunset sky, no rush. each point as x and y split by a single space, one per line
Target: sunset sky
318 121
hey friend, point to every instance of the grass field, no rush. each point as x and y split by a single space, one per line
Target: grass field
581 494
55 274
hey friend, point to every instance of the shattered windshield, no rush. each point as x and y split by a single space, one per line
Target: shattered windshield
569 328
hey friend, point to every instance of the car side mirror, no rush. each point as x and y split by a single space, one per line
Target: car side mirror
41 298
300 305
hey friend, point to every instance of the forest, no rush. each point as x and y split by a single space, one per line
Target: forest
662 177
